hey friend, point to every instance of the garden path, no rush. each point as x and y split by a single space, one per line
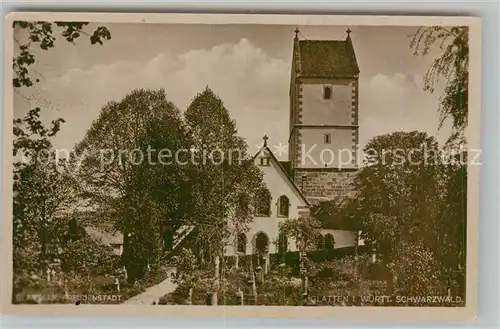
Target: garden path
153 294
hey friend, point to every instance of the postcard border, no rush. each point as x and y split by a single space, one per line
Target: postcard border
406 314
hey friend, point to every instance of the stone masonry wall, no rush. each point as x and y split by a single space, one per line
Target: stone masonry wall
318 185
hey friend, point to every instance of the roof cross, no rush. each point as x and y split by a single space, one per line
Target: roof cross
265 138
296 32
348 31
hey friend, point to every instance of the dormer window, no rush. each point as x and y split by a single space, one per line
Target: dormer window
264 161
327 92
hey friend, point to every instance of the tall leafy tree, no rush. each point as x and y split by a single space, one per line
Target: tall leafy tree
452 242
131 170
400 198
41 193
336 213
42 199
452 65
224 183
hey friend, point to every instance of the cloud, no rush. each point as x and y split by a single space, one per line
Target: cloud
253 85
396 102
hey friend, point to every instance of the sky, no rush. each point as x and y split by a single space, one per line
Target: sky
248 66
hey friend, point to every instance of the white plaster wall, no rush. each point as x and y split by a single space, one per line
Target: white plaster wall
278 185
334 111
335 154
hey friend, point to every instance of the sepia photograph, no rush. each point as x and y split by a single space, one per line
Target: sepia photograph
248 163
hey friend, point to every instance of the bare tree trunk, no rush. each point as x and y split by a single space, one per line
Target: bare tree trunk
242 298
306 284
356 256
216 277
190 296
303 272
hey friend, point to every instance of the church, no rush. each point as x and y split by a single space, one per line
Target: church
322 148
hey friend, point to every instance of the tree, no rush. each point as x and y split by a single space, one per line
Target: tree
133 174
42 199
335 213
416 270
401 197
224 176
42 34
305 232
453 219
85 254
452 65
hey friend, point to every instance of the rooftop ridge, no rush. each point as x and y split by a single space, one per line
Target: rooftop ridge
325 58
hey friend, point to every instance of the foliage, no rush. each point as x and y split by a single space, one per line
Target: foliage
452 65
42 34
42 191
398 189
190 272
132 172
347 276
42 198
262 202
305 233
195 278
87 256
280 289
223 176
410 206
451 243
335 213
416 271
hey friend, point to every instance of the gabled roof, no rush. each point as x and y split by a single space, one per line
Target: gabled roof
284 172
327 58
287 165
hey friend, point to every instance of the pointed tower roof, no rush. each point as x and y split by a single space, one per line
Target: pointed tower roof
327 58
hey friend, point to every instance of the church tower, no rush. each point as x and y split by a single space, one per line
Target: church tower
324 131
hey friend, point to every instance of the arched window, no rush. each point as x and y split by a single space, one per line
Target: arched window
320 242
261 243
327 92
283 206
242 243
329 241
263 203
